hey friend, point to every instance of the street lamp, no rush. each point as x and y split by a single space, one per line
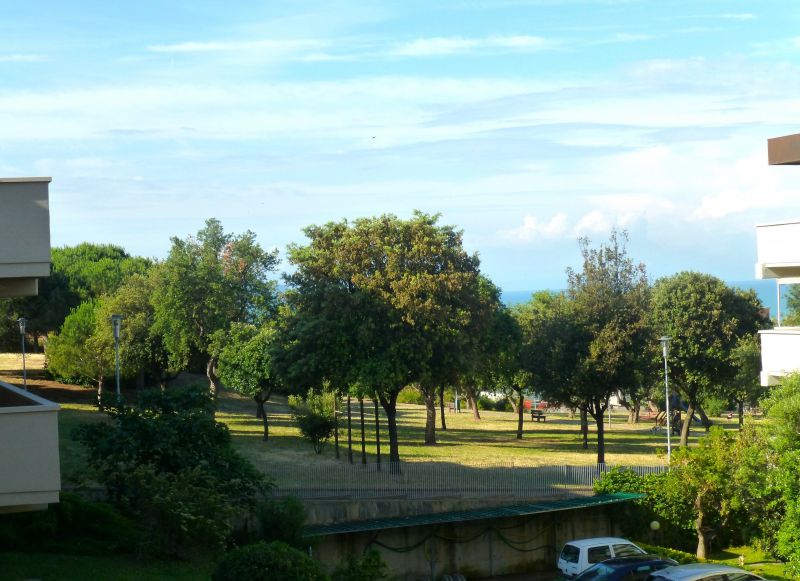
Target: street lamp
116 321
665 349
22 321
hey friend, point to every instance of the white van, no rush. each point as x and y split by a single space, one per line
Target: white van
577 556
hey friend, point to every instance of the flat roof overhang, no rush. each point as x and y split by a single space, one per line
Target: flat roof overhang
784 150
471 515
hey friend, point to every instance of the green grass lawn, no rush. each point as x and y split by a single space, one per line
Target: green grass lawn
756 561
50 567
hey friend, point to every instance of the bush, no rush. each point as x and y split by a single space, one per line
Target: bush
73 526
314 417
370 567
168 464
274 561
282 519
410 394
185 514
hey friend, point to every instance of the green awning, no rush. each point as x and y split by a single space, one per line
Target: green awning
471 515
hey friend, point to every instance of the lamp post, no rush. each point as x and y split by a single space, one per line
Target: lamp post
665 349
22 322
116 321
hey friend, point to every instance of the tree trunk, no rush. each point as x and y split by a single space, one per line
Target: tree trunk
687 424
741 414
441 407
140 379
585 428
520 415
377 434
698 527
707 423
261 413
601 439
213 380
349 432
336 424
100 404
633 412
363 442
390 407
35 341
571 414
513 403
430 416
473 403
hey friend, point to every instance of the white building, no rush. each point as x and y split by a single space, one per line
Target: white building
779 258
30 474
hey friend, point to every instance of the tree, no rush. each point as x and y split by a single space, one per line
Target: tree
142 351
314 416
385 296
207 283
706 320
609 302
94 270
79 351
246 365
745 388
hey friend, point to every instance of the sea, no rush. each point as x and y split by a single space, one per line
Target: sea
767 291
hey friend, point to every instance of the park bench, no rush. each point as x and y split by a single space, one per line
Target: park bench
538 415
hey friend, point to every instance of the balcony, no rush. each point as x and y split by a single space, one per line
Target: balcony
24 235
30 473
778 251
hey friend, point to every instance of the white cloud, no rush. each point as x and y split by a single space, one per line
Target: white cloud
533 229
447 45
22 58
739 16
280 46
592 222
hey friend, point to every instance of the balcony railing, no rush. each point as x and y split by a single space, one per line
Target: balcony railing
30 472
780 353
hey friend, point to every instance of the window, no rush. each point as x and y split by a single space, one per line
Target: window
570 554
626 550
597 554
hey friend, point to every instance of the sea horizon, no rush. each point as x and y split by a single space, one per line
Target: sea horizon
765 289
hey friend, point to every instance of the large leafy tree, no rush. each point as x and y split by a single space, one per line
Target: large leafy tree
384 295
609 302
94 270
80 351
706 320
142 351
548 352
207 283
246 365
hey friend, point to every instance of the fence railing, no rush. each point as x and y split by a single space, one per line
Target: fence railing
421 480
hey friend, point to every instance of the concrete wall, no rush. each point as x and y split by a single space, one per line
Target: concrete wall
24 234
30 471
475 548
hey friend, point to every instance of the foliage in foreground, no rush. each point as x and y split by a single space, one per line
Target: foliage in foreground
275 561
170 465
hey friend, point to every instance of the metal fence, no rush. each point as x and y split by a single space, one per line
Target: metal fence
422 480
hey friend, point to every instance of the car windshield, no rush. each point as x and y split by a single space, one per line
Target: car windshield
570 554
627 550
595 572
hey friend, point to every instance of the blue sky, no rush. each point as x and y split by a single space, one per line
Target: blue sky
526 123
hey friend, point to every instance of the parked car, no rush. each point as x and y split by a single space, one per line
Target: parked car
579 555
703 572
635 568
